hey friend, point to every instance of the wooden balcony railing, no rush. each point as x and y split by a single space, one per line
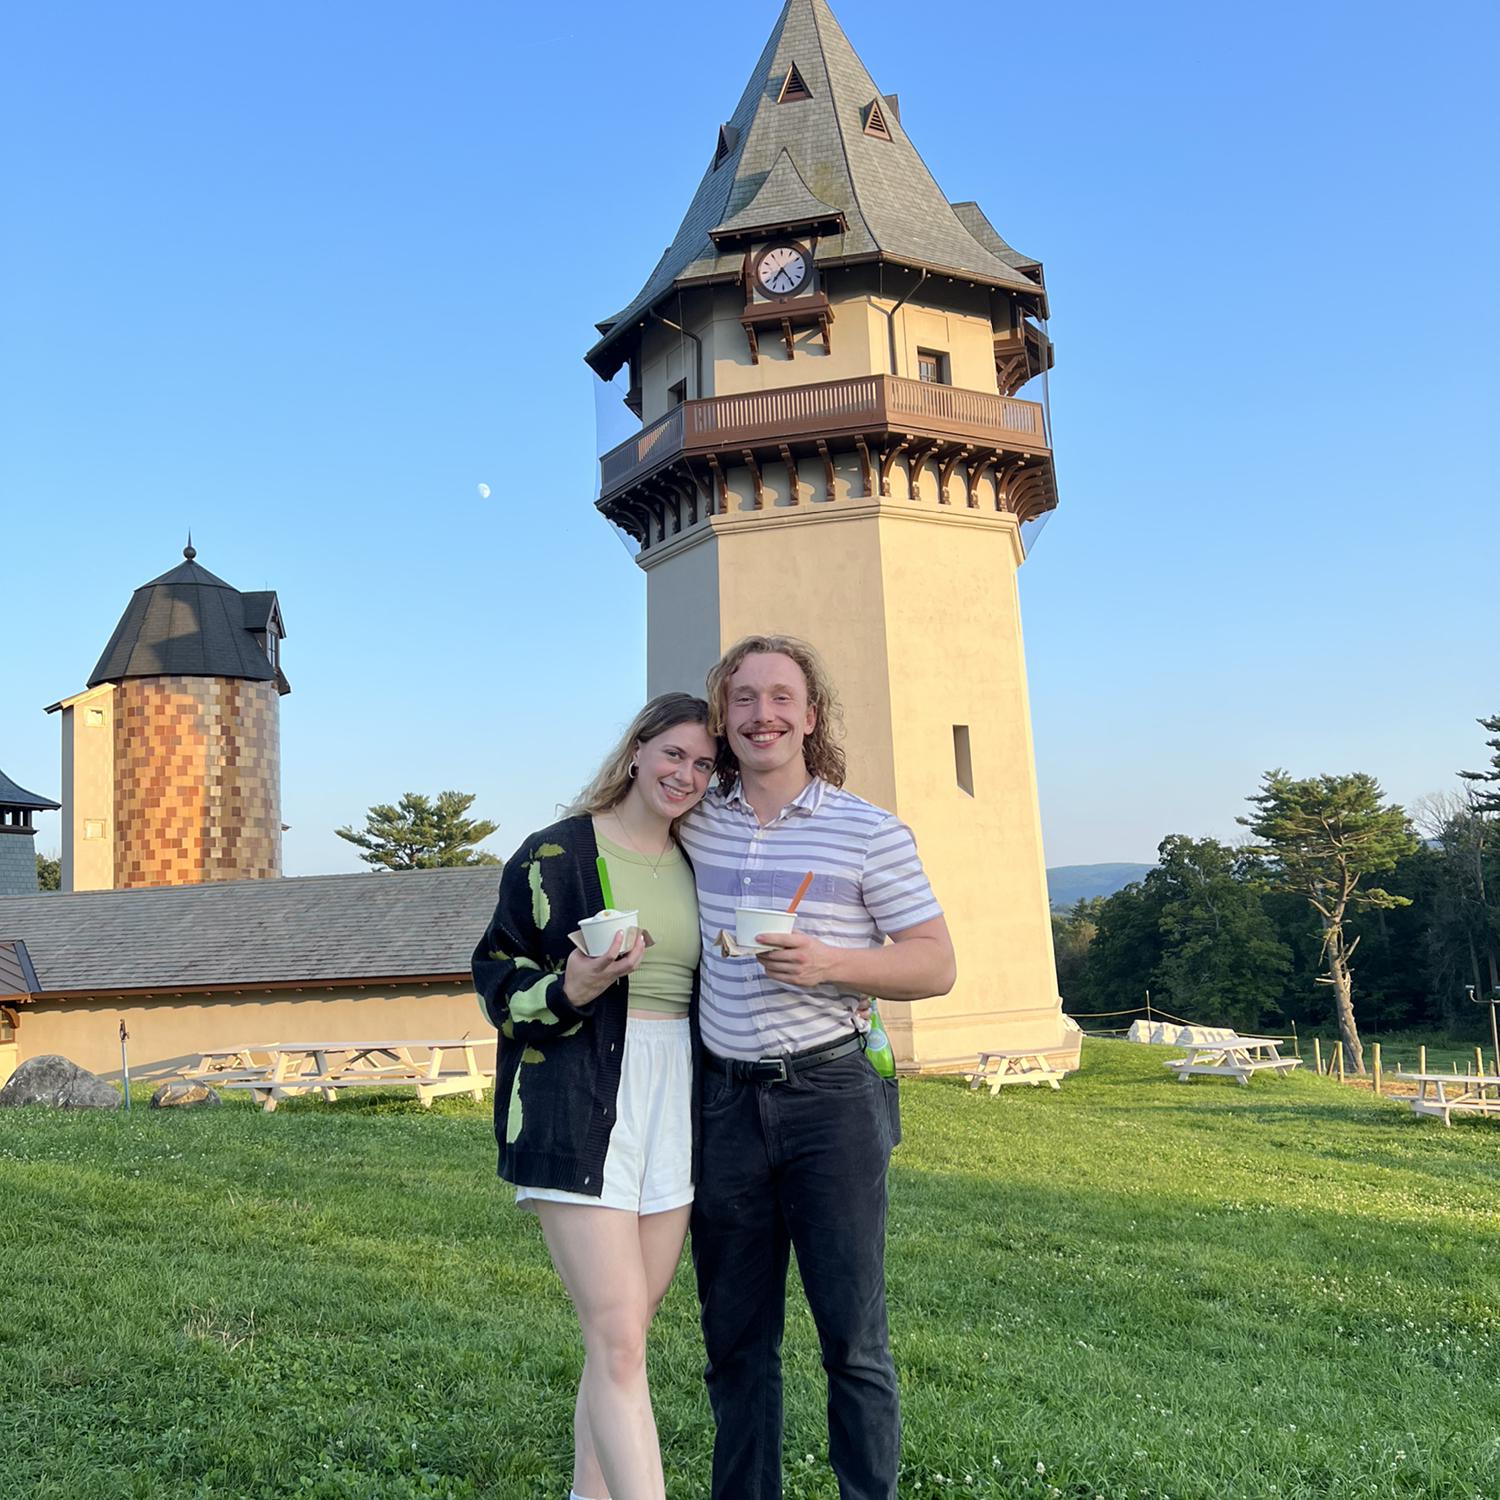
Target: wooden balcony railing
867 404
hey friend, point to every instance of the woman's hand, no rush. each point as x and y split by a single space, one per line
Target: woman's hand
585 978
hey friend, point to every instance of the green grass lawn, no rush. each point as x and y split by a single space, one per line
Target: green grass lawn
1134 1288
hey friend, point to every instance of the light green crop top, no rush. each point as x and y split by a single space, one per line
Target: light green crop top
664 894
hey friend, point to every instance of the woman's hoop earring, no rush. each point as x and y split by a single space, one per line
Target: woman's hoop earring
634 771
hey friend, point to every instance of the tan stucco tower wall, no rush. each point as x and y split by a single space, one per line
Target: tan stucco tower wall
914 608
197 780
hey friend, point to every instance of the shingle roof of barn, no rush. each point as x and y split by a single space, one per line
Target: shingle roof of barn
314 928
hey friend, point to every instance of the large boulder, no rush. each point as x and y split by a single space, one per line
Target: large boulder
184 1093
62 1084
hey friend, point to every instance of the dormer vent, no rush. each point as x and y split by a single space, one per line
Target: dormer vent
875 121
729 138
793 88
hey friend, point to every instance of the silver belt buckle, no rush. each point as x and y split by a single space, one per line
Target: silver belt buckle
779 1063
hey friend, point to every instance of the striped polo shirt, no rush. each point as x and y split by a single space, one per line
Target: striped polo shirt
867 882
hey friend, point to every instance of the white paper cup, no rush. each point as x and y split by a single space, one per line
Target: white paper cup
751 921
599 931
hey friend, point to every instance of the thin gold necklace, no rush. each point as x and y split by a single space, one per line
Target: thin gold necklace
653 866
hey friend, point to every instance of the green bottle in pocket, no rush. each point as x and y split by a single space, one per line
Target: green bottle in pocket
878 1046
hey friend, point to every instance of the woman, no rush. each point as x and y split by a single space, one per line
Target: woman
593 1094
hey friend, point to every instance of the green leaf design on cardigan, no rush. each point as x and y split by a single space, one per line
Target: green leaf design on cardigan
546 851
530 1004
541 907
513 1119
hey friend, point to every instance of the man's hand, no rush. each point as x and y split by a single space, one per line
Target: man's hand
585 978
916 964
798 960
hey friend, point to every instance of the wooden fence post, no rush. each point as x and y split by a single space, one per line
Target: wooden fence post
1422 1058
1340 1047
1297 1045
1479 1061
1318 1056
1377 1067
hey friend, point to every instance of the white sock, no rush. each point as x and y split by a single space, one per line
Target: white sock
574 1495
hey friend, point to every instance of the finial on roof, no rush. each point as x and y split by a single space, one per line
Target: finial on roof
190 551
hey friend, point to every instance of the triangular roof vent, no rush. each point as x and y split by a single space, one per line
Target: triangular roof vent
793 88
875 121
729 137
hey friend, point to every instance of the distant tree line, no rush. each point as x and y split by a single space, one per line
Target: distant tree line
1341 907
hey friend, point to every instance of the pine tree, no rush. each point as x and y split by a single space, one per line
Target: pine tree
1323 837
421 834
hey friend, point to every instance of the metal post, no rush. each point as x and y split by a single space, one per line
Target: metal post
125 1061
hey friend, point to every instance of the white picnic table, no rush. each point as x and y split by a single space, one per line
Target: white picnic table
282 1070
996 1069
1230 1055
1446 1094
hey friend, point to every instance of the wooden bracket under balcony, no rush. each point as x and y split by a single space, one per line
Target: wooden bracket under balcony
794 482
888 462
945 474
827 469
756 478
786 317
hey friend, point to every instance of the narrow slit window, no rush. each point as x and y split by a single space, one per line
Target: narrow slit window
677 394
963 763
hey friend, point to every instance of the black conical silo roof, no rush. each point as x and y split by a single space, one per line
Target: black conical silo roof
187 623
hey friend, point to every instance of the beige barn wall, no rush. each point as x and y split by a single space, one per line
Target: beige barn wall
166 1032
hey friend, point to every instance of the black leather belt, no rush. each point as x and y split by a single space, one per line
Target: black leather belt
779 1069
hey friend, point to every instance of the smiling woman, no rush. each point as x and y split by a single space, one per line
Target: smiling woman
595 1078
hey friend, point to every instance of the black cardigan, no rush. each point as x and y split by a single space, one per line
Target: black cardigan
558 1072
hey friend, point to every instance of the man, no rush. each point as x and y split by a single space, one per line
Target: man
797 1126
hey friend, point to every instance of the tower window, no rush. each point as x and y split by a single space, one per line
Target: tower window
963 764
932 366
677 394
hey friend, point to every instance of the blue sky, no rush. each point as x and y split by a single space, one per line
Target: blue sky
302 276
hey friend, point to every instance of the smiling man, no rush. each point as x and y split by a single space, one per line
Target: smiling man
798 1127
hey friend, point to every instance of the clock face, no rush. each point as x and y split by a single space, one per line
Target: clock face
783 270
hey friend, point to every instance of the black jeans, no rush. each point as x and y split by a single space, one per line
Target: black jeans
801 1165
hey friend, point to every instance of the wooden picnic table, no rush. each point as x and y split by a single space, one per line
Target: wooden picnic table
1232 1056
996 1069
296 1068
1462 1093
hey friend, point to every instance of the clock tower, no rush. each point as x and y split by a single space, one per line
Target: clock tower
826 364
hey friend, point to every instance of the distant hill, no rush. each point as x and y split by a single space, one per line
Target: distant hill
1069 883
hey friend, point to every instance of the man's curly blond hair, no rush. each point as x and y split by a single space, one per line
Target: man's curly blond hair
821 750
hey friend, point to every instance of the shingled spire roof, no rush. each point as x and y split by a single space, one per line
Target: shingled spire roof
190 623
892 208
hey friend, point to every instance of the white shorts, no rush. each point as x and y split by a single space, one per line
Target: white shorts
649 1165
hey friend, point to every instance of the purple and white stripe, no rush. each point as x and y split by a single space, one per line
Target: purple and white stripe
867 882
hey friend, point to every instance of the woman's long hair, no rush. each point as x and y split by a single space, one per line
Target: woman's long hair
612 780
821 751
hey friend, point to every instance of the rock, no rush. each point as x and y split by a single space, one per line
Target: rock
62 1084
183 1093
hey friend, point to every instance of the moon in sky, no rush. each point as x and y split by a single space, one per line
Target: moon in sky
484 492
